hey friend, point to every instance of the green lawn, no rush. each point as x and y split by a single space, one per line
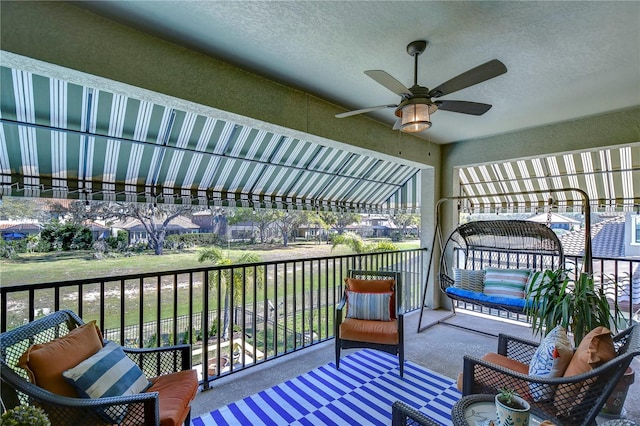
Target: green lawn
61 266
53 267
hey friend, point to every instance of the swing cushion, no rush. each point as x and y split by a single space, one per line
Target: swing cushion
485 299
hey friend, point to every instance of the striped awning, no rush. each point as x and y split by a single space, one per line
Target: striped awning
610 177
63 140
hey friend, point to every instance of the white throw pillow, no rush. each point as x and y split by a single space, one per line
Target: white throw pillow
550 360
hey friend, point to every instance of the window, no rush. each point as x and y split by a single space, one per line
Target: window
635 229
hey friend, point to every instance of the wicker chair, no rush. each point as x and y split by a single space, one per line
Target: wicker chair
142 408
403 415
374 334
482 377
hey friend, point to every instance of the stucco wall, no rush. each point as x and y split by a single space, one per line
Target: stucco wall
62 34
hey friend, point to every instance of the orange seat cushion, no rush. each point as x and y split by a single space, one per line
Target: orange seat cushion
374 286
383 332
45 362
508 363
176 391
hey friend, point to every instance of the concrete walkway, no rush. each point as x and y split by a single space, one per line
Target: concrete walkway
440 348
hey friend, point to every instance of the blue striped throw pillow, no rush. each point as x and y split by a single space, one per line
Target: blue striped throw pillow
505 282
109 372
368 306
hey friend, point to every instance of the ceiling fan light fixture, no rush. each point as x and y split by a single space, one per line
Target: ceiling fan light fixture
415 118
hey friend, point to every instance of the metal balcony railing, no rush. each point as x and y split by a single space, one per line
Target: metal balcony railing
275 307
234 316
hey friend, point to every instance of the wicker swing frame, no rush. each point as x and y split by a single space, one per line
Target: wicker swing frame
502 244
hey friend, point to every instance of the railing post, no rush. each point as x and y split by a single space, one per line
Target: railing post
205 330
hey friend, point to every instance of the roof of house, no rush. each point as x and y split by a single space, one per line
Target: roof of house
17 227
94 226
607 239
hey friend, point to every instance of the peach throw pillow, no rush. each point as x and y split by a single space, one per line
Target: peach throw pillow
595 349
45 362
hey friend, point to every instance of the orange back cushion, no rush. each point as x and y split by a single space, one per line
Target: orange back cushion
45 362
374 286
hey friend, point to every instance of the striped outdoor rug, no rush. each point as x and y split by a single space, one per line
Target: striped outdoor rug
360 393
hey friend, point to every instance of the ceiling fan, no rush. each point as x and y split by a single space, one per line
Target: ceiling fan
416 105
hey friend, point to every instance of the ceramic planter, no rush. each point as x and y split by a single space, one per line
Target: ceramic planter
509 416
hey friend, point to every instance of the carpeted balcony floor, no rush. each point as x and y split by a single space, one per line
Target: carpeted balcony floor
439 348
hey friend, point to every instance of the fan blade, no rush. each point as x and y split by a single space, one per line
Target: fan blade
363 110
476 75
464 107
397 124
389 82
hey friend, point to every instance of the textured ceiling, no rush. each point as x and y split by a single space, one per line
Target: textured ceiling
565 60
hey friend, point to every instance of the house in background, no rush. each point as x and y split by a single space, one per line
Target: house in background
556 221
632 235
209 222
376 226
97 230
18 230
611 239
138 233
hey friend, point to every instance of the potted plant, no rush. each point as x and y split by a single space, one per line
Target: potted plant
555 298
24 415
511 410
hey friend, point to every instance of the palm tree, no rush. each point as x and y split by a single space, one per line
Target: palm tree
238 281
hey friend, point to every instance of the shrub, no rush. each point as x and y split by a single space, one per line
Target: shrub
6 250
66 236
119 242
382 246
191 240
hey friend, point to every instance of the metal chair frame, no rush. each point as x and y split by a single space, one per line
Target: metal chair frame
347 344
142 408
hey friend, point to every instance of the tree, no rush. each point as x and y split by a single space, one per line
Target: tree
78 211
314 218
21 208
155 219
404 220
230 283
219 220
339 221
286 222
262 219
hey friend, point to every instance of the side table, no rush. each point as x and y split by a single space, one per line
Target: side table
479 409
